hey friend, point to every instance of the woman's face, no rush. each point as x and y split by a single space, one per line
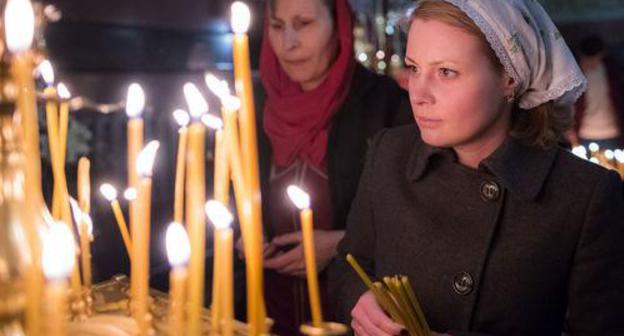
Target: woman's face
301 33
457 96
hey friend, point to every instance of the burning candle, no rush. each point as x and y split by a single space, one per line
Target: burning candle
110 193
19 24
195 199
302 201
178 252
135 103
58 261
221 167
223 294
139 279
50 95
64 96
183 119
85 230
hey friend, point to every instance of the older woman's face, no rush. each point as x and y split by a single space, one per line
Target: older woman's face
301 34
457 96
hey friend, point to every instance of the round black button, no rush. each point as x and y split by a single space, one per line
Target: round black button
463 283
490 191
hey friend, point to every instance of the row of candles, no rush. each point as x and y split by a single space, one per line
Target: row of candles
610 159
235 161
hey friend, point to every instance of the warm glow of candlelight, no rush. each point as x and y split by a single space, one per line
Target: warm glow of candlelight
300 198
130 194
178 245
594 147
619 155
108 191
218 214
181 117
145 160
594 160
580 151
219 87
62 90
19 25
231 102
46 72
80 216
59 252
135 101
212 121
241 17
609 154
195 100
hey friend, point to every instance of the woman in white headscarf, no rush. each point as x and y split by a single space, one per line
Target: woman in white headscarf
500 231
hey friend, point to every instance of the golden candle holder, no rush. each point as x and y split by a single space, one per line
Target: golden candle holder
326 329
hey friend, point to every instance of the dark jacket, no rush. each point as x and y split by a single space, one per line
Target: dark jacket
616 86
529 240
374 102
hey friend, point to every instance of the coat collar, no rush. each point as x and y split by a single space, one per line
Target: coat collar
521 169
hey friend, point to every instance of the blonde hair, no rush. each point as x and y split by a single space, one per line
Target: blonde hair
541 126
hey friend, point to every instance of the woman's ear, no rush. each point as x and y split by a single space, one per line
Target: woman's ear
509 85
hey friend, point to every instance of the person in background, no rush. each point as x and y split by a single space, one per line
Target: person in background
500 231
317 108
600 111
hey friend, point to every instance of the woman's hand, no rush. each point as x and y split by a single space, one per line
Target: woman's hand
369 319
292 262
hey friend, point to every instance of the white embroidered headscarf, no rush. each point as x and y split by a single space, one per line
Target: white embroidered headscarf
530 48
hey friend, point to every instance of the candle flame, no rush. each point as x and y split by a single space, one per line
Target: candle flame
241 17
62 90
108 191
81 216
46 72
181 117
130 194
609 154
300 198
594 147
594 160
219 87
59 252
580 151
19 23
218 214
178 244
619 155
145 160
135 100
195 100
231 102
212 121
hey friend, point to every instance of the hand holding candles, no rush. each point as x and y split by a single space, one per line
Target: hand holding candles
58 258
110 193
223 294
302 201
178 253
139 279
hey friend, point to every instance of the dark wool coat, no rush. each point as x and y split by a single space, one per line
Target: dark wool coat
530 243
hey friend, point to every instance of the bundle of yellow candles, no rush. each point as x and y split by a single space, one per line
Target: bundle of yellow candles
396 296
